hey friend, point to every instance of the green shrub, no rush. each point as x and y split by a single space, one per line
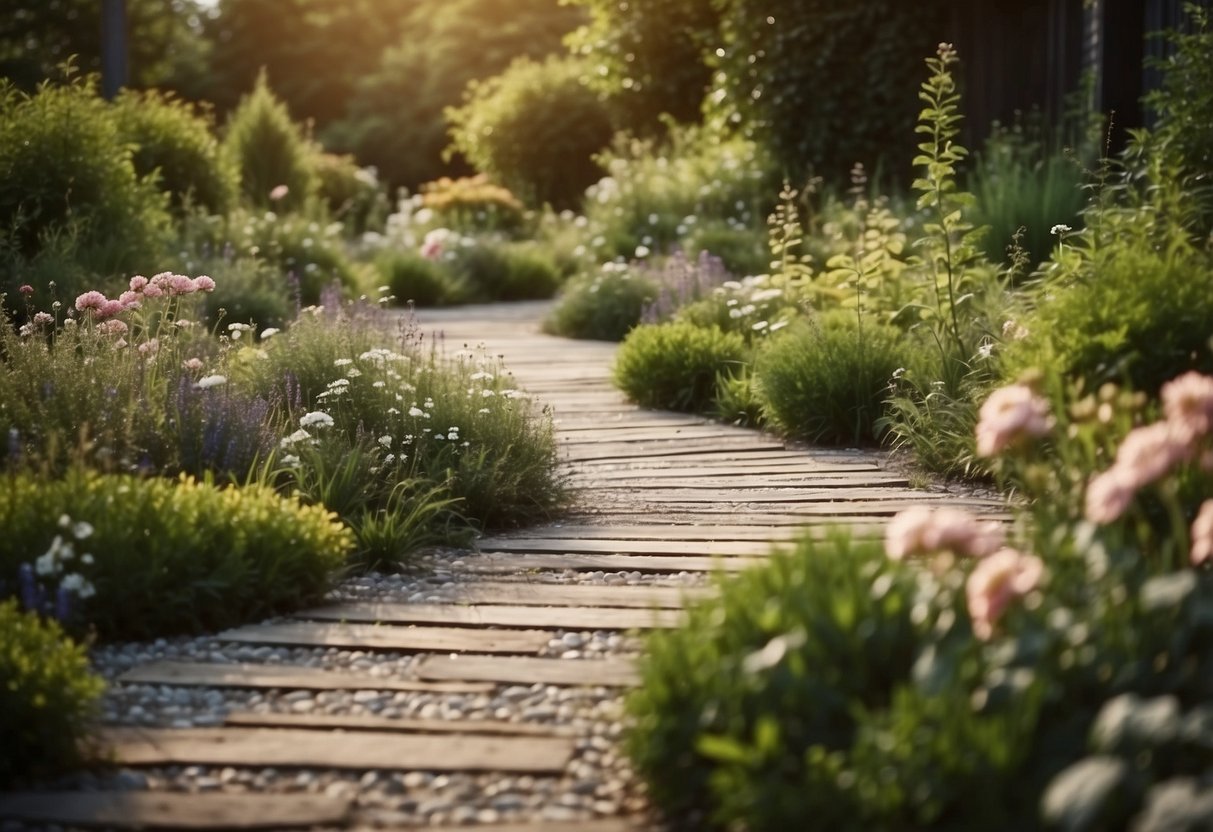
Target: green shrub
48 696
603 305
66 177
1131 314
176 556
493 271
823 85
412 278
352 195
270 152
535 128
826 381
175 145
247 291
743 251
473 203
675 366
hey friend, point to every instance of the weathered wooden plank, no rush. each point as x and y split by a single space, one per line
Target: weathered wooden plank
498 615
407 639
619 435
603 825
710 482
282 677
147 810
678 447
764 495
512 564
728 470
577 595
630 419
358 750
749 454
346 722
664 531
536 545
608 672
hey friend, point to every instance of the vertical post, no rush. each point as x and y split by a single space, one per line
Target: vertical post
113 47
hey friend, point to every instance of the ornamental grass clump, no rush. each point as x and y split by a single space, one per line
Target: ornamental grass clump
677 365
603 304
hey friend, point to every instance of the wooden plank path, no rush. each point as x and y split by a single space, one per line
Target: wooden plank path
662 495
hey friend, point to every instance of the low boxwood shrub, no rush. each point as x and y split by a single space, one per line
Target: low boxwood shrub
603 305
170 556
423 281
48 696
677 365
826 380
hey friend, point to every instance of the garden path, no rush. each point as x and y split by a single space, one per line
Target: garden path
487 691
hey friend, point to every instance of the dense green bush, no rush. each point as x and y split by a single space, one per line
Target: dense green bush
827 380
823 85
170 556
275 161
493 271
175 144
649 58
412 278
535 128
351 194
603 305
67 179
247 291
677 365
47 697
473 203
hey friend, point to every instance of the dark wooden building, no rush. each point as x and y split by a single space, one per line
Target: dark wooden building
1033 55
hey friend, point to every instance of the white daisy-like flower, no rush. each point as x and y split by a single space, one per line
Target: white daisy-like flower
316 418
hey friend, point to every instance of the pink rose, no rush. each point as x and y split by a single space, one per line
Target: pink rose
1188 403
1010 415
1109 496
921 531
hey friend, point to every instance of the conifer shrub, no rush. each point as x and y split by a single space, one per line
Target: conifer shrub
48 698
175 144
535 128
273 156
677 365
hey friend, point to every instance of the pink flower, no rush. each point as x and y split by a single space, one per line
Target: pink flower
138 282
997 581
431 249
43 318
1149 453
204 283
921 530
111 308
279 192
1188 403
1202 535
112 327
150 347
179 284
152 290
129 299
26 289
1010 415
192 364
90 301
1109 495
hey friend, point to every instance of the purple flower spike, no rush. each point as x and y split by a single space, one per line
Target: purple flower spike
63 604
28 587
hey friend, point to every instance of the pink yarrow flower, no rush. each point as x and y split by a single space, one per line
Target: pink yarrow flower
995 582
1202 535
1109 496
179 284
130 299
111 308
1010 415
204 283
923 531
26 289
138 283
112 327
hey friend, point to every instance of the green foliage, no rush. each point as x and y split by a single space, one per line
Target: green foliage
496 271
655 195
676 365
48 697
602 305
1023 182
827 380
394 118
412 278
535 128
351 195
269 151
821 84
473 203
649 57
247 291
175 145
743 251
176 556
66 176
